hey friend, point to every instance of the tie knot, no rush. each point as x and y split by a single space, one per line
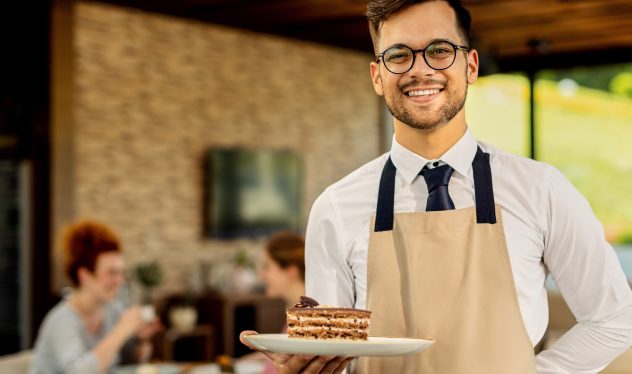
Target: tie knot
439 176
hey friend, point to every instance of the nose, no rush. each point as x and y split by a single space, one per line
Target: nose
420 66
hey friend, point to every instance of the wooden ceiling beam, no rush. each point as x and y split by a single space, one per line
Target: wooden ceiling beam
561 32
576 45
501 26
521 21
494 11
275 12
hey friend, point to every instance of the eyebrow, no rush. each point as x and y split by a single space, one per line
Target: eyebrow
432 41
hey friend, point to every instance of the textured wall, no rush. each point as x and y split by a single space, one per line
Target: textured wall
152 93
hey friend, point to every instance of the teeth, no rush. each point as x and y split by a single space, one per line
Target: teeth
423 92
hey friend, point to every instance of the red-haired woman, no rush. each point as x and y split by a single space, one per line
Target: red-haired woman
86 332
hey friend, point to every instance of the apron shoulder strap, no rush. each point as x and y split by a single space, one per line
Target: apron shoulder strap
483 188
386 198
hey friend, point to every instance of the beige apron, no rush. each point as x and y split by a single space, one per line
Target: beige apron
445 276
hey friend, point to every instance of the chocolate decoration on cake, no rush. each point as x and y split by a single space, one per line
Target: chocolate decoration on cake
306 302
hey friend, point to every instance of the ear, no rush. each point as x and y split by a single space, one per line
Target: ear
293 272
376 78
84 275
472 66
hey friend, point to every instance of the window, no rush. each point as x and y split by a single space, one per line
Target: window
584 128
497 111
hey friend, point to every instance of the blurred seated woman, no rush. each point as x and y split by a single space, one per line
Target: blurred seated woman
282 267
282 270
89 331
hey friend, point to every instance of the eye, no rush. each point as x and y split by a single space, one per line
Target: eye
397 55
440 50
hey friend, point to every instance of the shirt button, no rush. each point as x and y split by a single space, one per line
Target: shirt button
436 163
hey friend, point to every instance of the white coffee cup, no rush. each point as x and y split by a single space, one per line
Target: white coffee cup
147 313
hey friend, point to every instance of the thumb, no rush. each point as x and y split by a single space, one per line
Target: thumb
245 342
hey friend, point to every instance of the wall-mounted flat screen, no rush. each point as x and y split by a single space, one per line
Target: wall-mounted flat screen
252 193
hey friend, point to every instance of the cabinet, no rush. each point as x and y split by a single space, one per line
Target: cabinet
197 344
231 314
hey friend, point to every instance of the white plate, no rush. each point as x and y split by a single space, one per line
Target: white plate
375 346
133 369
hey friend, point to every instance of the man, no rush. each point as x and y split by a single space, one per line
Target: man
450 239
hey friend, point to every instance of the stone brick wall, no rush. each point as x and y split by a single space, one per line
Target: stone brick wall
152 93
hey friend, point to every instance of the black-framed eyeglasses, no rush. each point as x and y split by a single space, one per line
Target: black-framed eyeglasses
439 55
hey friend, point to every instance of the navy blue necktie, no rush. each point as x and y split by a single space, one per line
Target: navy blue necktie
437 180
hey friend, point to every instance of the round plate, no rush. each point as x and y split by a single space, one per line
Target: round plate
133 369
375 346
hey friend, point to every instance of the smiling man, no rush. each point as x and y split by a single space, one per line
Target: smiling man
450 239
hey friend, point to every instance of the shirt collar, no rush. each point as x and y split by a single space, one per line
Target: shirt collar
459 157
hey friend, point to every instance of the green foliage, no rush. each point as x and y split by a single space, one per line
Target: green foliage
599 77
626 237
241 259
585 134
622 84
148 274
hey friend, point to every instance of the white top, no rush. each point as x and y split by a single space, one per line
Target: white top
548 225
65 346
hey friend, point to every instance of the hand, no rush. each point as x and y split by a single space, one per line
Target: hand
291 364
144 345
130 322
149 329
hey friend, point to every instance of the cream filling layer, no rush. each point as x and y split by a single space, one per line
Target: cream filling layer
326 319
321 328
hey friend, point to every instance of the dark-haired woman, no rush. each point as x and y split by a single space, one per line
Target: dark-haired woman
282 270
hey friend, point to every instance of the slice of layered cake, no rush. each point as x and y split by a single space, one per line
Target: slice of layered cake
309 320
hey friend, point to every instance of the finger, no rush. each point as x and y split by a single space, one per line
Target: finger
295 364
281 359
343 365
249 345
333 364
318 365
244 341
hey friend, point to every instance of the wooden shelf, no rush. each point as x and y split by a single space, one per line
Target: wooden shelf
201 337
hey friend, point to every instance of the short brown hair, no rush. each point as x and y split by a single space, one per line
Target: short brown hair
379 11
83 242
287 249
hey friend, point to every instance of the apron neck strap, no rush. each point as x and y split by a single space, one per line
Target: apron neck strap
483 192
386 198
483 188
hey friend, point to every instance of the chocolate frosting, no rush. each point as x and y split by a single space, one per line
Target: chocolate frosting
306 302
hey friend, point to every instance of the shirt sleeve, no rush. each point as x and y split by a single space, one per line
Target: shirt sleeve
586 270
69 351
328 276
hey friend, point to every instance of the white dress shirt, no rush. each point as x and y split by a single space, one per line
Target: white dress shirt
549 227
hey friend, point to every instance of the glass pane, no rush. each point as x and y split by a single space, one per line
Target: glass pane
497 110
584 128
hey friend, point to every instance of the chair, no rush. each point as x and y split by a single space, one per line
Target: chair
17 363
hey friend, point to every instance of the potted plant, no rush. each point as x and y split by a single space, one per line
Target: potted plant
243 277
149 275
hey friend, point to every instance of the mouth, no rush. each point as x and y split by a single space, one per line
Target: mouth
427 93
